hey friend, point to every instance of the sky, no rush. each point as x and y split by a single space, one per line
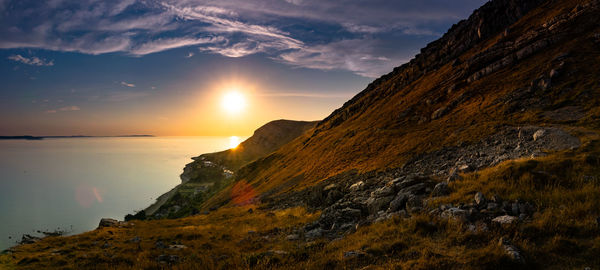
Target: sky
165 67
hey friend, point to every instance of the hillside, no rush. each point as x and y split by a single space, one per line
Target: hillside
209 173
483 152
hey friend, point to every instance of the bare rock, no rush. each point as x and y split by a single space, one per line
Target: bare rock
108 222
441 189
506 219
538 134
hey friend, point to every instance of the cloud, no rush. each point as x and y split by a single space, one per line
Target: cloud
171 43
34 61
302 33
64 109
127 84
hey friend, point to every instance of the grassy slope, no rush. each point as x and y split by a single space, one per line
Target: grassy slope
563 235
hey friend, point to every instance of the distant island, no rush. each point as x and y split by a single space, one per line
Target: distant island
28 137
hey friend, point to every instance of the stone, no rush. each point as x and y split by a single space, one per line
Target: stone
506 219
29 239
160 245
292 237
330 186
318 232
357 186
383 192
480 199
108 222
511 251
177 247
553 73
353 254
414 189
456 214
169 259
492 206
375 204
414 202
453 176
439 113
538 134
441 189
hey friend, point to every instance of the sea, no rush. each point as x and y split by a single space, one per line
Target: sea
69 184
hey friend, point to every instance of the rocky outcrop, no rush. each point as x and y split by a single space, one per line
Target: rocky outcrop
491 19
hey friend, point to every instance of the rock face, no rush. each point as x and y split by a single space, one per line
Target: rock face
108 222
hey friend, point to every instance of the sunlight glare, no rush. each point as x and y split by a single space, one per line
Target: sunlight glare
234 141
233 101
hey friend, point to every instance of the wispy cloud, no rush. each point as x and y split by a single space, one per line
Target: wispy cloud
304 33
64 109
127 84
34 61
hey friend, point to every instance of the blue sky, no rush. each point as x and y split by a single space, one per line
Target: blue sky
144 66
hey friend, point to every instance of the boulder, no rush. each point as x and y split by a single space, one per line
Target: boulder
511 251
177 247
318 232
506 219
538 134
441 189
456 214
398 202
374 204
383 192
108 222
357 186
480 199
29 239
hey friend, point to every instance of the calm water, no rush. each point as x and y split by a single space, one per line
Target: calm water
72 183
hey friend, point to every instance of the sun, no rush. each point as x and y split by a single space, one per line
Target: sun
233 101
234 141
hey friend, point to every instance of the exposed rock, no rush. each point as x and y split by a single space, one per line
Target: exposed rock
160 245
510 250
29 239
506 219
441 189
292 237
177 247
108 222
456 214
168 259
538 134
357 186
374 204
318 232
480 199
398 203
353 254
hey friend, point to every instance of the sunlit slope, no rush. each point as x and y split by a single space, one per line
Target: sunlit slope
502 76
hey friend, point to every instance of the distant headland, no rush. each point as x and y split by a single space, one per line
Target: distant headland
28 137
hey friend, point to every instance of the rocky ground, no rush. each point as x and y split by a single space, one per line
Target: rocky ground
351 200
